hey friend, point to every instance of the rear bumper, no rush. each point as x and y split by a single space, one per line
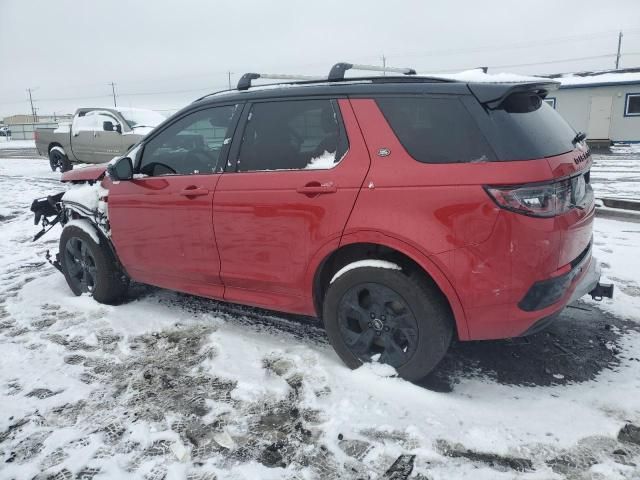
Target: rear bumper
545 293
589 281
588 284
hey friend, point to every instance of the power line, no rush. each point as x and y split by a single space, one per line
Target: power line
577 59
510 46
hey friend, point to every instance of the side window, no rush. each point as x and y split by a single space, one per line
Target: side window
100 117
83 123
435 129
190 146
632 105
292 135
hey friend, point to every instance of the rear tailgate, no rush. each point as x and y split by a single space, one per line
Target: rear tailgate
521 126
575 226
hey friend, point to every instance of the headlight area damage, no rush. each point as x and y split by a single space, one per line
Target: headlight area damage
83 205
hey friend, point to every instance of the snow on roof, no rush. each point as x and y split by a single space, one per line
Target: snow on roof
131 109
607 77
477 75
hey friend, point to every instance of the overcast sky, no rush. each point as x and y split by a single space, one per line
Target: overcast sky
162 54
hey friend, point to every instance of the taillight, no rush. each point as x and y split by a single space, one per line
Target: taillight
36 135
541 200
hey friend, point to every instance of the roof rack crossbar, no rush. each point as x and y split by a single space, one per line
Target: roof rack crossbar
245 81
338 70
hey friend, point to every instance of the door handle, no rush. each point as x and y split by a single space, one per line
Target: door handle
317 188
194 191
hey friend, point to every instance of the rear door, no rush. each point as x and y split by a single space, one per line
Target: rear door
599 118
291 181
83 129
161 223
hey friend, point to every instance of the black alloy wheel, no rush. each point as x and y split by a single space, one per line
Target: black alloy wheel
376 320
80 265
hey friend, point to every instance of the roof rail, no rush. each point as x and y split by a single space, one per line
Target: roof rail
338 70
245 81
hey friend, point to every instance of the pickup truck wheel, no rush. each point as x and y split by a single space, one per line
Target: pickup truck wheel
58 160
89 267
384 315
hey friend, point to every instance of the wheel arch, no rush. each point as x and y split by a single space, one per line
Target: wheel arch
55 144
102 235
364 245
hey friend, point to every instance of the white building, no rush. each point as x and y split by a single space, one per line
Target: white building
605 105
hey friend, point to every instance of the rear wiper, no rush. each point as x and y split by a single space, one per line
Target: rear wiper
580 136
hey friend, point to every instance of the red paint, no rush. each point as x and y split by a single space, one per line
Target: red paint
268 231
165 237
259 238
84 174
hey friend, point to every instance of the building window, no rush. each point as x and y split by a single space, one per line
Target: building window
551 101
632 105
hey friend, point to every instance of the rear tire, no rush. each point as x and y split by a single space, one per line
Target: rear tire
404 319
90 267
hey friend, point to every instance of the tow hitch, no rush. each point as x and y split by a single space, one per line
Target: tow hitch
601 291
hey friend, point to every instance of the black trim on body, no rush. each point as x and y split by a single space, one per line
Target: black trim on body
545 293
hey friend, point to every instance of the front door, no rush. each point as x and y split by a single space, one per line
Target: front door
292 180
161 223
599 118
106 145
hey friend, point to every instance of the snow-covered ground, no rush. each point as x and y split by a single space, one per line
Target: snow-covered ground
10 144
617 174
172 386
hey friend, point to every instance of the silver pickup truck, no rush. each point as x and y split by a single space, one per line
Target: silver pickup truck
95 135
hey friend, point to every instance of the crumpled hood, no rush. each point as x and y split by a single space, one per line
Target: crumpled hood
91 173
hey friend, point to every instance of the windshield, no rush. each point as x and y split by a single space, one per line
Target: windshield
142 118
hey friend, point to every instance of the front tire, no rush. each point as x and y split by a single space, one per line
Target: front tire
385 315
90 267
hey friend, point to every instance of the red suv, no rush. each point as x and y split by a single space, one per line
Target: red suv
401 210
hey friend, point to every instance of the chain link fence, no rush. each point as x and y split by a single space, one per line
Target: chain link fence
25 131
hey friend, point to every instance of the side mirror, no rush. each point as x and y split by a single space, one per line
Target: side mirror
121 170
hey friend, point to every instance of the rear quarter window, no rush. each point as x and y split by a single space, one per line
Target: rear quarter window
436 129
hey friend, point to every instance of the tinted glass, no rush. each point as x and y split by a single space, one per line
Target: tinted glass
100 117
529 134
292 135
633 105
435 129
190 146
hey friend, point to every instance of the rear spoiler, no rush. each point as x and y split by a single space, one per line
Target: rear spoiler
493 94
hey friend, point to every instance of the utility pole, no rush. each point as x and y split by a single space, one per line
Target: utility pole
619 48
33 110
229 79
384 65
113 90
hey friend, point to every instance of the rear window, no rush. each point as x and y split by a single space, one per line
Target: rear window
525 127
436 129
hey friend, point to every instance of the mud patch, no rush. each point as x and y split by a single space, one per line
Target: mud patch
579 345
